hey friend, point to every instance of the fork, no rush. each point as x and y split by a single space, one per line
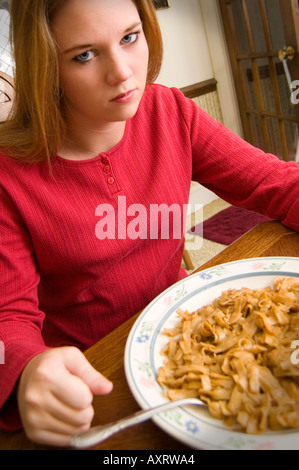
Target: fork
98 434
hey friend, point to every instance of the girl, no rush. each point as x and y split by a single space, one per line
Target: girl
90 135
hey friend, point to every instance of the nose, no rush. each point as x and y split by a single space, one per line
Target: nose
118 69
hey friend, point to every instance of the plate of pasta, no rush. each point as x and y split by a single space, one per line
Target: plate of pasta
228 335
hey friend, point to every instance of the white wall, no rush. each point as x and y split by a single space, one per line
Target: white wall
186 52
195 50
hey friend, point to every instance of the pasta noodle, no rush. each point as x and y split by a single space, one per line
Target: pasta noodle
235 355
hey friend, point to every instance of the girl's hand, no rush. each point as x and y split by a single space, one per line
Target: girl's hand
55 395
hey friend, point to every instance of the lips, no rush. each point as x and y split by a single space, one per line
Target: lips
124 97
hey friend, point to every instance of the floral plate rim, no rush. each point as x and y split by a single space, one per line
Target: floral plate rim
186 424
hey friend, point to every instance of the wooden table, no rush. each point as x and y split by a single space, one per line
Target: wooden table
268 239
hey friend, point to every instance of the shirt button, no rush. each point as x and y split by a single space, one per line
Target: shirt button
107 169
110 180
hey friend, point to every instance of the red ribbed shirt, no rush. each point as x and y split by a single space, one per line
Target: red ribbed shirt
60 283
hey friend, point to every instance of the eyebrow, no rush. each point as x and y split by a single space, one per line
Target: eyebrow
86 46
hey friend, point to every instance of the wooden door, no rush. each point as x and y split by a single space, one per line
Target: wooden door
260 34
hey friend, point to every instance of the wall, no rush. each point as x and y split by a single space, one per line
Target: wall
195 50
186 51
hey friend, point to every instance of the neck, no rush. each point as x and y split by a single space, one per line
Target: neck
84 143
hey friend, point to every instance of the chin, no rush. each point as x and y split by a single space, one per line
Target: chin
127 113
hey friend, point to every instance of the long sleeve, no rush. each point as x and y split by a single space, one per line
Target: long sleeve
20 318
238 172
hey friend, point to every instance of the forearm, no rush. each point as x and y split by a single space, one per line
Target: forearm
21 343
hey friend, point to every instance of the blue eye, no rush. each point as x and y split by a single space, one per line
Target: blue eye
84 57
130 38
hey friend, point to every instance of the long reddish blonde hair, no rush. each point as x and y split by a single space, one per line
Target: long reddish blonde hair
35 128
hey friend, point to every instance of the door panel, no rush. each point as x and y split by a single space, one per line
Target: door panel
256 30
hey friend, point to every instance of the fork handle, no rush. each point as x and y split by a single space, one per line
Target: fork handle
98 434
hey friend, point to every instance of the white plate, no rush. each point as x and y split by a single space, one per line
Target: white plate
194 426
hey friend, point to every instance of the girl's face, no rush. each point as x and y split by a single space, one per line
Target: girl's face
103 59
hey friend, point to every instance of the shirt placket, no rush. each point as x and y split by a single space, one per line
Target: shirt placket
111 181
